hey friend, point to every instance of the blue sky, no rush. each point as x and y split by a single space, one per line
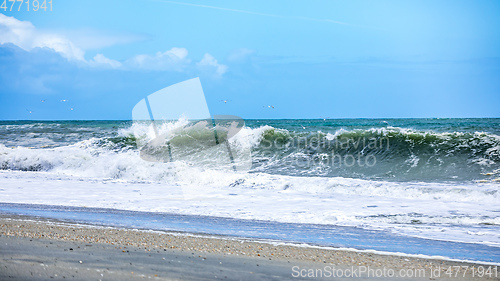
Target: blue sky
309 59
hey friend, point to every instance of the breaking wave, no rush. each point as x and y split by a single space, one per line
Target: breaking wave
389 153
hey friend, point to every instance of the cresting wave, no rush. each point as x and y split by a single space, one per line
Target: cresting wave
380 153
389 153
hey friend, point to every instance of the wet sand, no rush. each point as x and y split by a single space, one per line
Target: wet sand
39 249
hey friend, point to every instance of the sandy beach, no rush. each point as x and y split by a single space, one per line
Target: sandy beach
38 249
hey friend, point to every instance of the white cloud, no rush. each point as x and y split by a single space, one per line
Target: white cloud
239 55
24 35
101 61
208 62
95 39
173 59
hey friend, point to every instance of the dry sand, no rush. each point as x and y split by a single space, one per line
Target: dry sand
38 249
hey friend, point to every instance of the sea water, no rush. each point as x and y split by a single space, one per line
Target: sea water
435 179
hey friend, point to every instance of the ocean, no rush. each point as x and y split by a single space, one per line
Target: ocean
432 179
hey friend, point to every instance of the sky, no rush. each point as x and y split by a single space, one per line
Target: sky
94 60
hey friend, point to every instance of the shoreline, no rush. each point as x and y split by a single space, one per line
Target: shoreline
284 255
52 222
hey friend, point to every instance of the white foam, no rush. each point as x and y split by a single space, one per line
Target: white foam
409 209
